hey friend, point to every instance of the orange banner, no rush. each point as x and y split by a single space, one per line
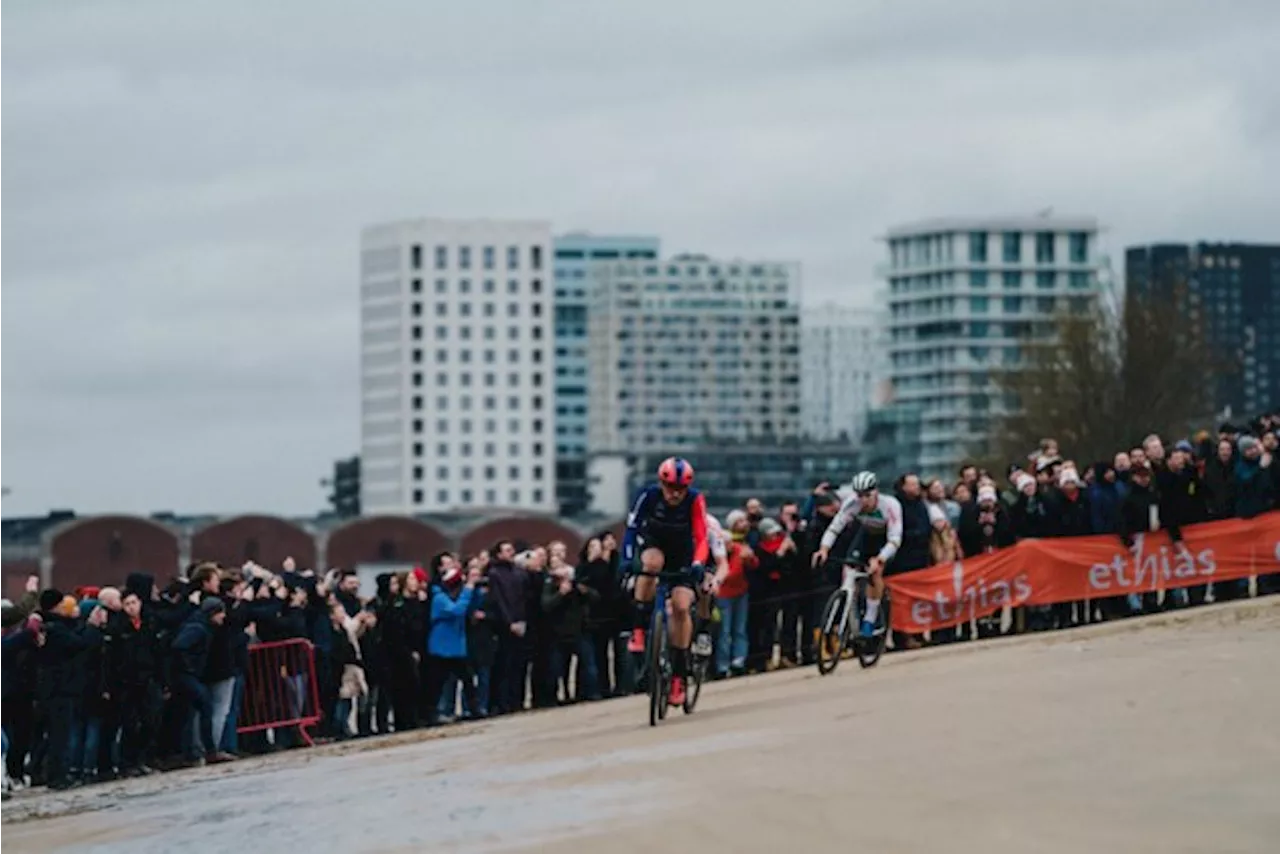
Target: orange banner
1040 572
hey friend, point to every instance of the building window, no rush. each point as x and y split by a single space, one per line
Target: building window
513 425
417 472
442 496
1012 247
442 333
464 286
417 496
417 357
1012 280
417 449
417 401
978 247
417 379
442 257
537 496
442 426
465 309
466 496
513 356
442 356
513 449
513 496
490 402
488 309
513 257
417 333
513 309
1045 305
465 333
490 426
978 305
978 279
442 309
1044 280
535 257
1078 281
442 286
1078 247
417 425
464 257
536 285
491 497
442 403
490 472
417 286
537 333
416 309
1012 305
537 309
465 379
513 286
488 255
488 286
537 357
537 449
1044 247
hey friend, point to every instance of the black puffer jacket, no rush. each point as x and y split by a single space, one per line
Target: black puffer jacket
62 662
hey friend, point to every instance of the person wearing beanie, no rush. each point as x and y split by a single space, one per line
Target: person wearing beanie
62 677
1182 503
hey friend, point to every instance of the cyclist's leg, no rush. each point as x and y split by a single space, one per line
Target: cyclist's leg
651 563
875 592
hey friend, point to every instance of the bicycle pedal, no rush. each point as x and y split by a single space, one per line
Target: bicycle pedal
702 645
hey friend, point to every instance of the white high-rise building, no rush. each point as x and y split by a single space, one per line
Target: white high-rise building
839 366
692 350
962 294
457 366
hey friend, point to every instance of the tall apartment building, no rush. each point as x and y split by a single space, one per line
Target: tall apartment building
574 255
1231 292
839 366
962 293
456 366
691 350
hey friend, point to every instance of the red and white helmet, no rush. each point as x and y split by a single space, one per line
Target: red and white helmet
675 471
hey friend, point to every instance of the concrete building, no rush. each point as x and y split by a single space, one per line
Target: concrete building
1231 292
574 255
456 365
962 293
839 365
691 350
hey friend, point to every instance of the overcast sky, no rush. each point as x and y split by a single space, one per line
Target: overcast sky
184 183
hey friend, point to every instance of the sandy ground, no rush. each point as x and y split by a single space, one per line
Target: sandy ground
1156 735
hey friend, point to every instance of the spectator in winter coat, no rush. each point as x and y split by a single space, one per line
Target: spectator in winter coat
985 525
734 598
1072 514
603 618
1106 496
447 643
62 677
508 592
567 601
404 625
190 661
1181 503
1255 480
134 662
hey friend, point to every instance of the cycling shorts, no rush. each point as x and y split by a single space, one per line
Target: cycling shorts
676 556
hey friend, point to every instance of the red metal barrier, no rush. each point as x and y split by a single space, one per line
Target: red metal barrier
280 689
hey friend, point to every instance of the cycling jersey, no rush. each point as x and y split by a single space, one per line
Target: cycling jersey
885 520
679 530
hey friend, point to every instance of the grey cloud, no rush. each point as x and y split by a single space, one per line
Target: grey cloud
185 183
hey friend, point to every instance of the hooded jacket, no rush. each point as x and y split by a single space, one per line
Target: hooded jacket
191 647
508 586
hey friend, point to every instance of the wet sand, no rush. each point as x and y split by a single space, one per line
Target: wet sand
1156 735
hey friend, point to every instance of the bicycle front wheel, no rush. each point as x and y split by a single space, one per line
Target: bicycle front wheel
658 667
834 628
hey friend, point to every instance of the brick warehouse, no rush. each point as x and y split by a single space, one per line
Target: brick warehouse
66 550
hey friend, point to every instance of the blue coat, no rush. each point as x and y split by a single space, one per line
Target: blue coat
448 635
1105 501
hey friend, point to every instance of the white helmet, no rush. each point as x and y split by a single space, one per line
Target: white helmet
865 481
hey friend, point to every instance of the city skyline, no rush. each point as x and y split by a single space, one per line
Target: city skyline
182 318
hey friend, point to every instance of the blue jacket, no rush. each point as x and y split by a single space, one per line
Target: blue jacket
448 635
1105 501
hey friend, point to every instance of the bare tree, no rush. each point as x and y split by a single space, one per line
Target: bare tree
1099 383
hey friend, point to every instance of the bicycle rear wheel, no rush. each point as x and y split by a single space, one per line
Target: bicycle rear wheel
658 667
833 628
870 649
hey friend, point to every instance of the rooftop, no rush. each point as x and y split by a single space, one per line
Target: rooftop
1044 221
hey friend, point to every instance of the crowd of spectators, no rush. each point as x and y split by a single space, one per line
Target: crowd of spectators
125 681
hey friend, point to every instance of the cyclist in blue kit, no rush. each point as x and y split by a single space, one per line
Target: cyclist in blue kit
667 531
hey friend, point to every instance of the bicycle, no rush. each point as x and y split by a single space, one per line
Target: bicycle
839 631
656 659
